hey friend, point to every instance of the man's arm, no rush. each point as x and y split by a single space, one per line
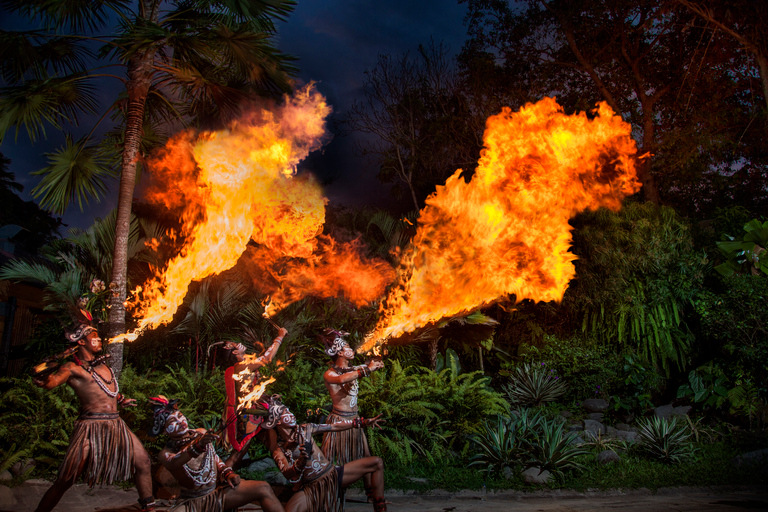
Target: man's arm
347 425
191 451
333 377
57 378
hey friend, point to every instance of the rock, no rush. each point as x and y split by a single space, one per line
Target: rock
37 481
608 457
751 458
628 436
536 476
6 476
575 427
22 467
595 416
508 473
611 432
417 479
594 405
577 441
566 414
623 426
594 427
262 465
668 411
275 478
7 499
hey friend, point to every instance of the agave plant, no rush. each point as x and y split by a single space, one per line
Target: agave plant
552 449
534 385
665 440
498 446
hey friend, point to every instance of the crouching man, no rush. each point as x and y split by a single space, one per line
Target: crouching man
318 484
189 456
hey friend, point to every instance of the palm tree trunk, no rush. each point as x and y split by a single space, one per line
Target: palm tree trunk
139 80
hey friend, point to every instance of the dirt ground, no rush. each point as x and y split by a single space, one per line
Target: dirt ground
697 499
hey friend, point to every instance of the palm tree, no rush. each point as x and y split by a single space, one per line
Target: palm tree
194 61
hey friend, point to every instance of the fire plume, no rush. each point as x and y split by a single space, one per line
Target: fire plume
233 186
506 231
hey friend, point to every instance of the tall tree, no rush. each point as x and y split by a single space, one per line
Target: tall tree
653 62
195 61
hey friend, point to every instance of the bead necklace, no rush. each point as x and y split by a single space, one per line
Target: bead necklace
100 381
206 474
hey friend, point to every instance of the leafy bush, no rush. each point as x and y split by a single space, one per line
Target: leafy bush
552 449
664 440
707 385
534 385
498 445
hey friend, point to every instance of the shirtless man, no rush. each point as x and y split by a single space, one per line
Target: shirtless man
318 483
102 448
342 382
191 459
241 428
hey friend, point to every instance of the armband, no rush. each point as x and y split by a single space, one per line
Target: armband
225 472
120 398
358 422
363 371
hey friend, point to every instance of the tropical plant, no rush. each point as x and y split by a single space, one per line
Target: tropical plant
635 390
498 446
189 62
550 448
600 442
664 440
707 385
747 255
534 385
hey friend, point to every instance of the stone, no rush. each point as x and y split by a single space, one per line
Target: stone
536 476
6 476
751 458
37 481
594 405
594 427
22 467
681 410
623 426
7 499
508 473
577 441
628 436
595 416
611 432
566 414
608 457
669 411
575 427
262 465
418 480
275 478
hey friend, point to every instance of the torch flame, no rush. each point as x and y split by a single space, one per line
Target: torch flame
506 231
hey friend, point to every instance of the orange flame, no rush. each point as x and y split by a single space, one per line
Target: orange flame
506 231
233 186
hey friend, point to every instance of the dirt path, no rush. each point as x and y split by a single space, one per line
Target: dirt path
697 499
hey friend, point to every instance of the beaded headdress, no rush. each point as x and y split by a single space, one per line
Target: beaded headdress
333 340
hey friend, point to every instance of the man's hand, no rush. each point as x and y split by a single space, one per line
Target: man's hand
375 364
233 479
128 402
376 421
282 332
209 436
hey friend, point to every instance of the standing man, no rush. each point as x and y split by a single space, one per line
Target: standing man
342 382
191 459
101 447
318 483
241 378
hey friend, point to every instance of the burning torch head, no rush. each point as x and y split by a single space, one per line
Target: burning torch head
334 342
166 417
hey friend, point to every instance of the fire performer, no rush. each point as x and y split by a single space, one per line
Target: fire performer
241 429
189 456
319 484
102 448
342 381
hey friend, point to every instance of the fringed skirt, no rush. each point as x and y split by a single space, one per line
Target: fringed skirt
324 494
101 445
208 500
347 445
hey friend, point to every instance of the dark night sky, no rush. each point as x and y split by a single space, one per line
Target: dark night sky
335 41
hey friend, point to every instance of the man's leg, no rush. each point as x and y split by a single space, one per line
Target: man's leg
142 466
60 486
249 491
355 470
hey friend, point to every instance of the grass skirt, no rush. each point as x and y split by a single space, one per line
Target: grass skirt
323 494
347 445
211 501
102 445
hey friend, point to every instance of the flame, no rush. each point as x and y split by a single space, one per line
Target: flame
232 186
506 231
250 399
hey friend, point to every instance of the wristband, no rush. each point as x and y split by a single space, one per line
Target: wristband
120 398
193 450
226 472
358 422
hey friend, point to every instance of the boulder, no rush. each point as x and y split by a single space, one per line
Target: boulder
275 478
594 405
536 476
7 500
629 436
608 457
595 416
575 427
262 465
668 411
566 414
22 467
751 458
611 432
577 441
623 426
6 476
594 427
508 473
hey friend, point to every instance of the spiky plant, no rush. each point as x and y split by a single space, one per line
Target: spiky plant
533 386
665 440
498 446
552 449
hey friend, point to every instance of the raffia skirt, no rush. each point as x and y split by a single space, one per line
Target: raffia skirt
324 494
347 445
209 500
102 444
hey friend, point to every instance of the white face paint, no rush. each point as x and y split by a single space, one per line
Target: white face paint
176 424
288 419
347 352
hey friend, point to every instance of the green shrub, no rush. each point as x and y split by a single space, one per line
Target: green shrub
534 385
498 446
664 440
